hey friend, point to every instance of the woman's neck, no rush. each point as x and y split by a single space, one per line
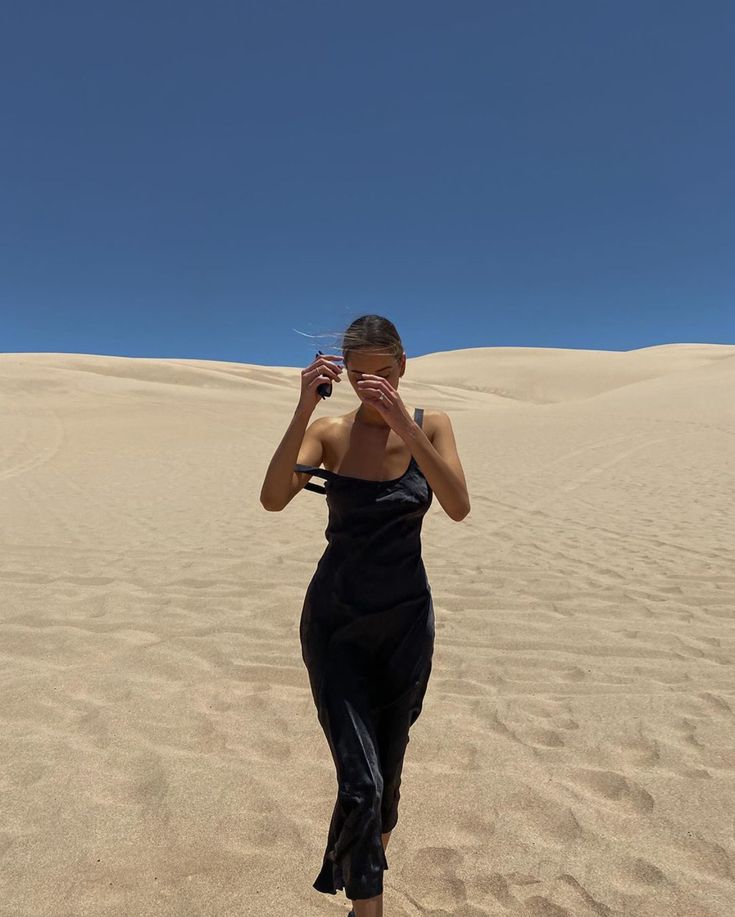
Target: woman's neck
367 418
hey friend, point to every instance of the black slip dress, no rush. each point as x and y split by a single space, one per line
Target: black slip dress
367 640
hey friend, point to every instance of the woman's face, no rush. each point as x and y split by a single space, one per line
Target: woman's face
360 363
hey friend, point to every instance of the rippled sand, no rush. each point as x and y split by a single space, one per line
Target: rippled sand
576 751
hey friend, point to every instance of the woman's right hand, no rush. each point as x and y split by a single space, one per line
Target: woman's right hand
323 369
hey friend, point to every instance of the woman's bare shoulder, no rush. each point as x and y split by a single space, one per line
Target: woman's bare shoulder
431 419
331 426
338 420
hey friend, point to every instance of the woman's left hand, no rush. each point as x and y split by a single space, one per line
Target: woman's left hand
390 405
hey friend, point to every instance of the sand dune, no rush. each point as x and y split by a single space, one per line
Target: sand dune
576 751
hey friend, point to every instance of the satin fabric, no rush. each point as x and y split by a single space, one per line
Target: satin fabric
367 637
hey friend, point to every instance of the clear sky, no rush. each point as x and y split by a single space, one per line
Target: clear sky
207 180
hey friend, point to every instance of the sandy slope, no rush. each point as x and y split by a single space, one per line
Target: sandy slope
576 753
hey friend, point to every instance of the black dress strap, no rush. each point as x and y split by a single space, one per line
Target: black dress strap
418 416
314 470
317 488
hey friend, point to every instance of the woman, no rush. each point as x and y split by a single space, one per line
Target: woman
367 622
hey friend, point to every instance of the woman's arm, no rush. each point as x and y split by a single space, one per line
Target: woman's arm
298 446
440 464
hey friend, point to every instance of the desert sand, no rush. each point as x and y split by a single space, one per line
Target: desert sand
575 755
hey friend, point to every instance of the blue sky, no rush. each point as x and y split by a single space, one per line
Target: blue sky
199 180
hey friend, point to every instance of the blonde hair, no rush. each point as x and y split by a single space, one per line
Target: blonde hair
372 334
